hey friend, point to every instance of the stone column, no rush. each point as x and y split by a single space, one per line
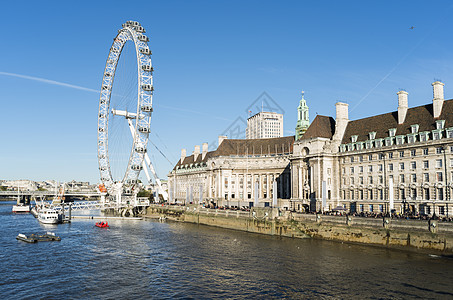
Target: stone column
300 183
268 184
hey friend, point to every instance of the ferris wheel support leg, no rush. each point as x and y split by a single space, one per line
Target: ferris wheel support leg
147 163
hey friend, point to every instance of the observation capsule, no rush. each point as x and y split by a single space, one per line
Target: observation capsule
143 129
147 108
145 51
147 68
140 149
143 38
148 87
136 167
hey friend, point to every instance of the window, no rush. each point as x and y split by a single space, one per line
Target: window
401 153
381 194
352 158
391 178
451 162
392 131
413 152
438 163
361 194
391 155
413 193
343 170
361 207
390 167
354 138
381 180
370 157
370 168
352 180
437 135
439 176
401 166
440 124
380 167
381 156
372 135
425 151
352 170
399 140
413 177
370 179
440 194
344 180
426 177
426 193
413 165
401 178
381 208
361 180
425 164
361 158
414 128
439 150
371 207
370 194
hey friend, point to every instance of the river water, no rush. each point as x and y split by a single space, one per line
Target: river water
153 260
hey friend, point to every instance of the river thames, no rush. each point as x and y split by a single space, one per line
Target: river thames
152 260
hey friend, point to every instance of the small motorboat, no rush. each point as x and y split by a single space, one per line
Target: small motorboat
102 224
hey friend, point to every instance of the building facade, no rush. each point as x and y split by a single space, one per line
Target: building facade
250 172
401 161
264 125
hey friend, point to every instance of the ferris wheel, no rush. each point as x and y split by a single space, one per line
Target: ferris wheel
134 111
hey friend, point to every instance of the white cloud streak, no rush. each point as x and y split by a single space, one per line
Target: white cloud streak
48 81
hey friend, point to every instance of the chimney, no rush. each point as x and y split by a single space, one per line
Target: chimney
204 150
438 98
183 154
402 106
341 121
196 152
221 138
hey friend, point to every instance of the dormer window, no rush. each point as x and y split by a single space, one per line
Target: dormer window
411 138
399 140
423 136
372 135
392 131
388 141
450 132
440 124
354 138
414 128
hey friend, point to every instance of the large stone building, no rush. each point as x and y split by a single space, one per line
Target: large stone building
400 160
240 172
264 125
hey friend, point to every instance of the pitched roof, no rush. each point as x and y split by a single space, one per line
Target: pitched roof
255 146
245 147
322 126
421 115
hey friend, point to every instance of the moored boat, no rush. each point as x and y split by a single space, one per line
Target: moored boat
21 208
48 216
33 238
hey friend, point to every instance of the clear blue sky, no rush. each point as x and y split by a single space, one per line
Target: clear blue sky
212 59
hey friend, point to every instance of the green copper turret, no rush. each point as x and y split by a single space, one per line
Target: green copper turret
302 118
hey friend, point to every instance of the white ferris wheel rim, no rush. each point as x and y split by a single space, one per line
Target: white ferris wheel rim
131 31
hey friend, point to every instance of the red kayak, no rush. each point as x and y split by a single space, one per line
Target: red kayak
102 224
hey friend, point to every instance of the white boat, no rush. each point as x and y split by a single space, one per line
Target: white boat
49 216
21 208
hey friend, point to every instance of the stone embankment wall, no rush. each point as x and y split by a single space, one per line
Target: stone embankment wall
392 233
